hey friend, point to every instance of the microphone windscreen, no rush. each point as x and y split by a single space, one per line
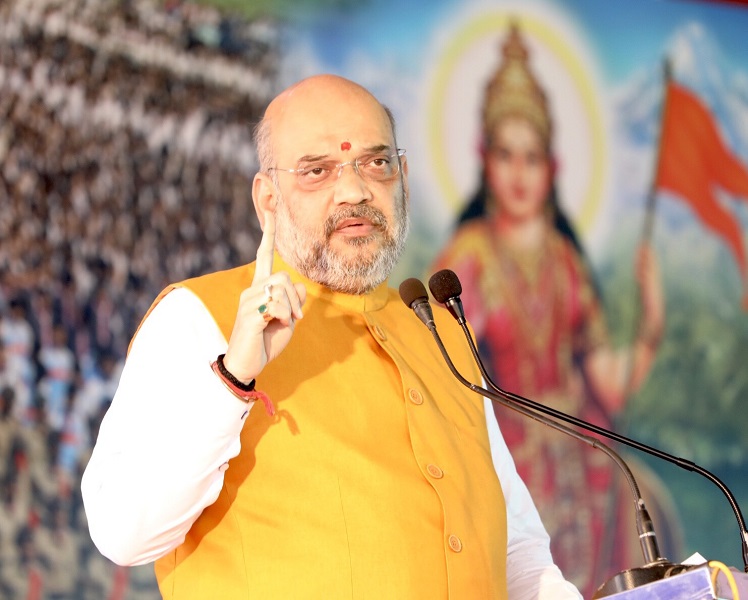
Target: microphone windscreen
411 290
444 285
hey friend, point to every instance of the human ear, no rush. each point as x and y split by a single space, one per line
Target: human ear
263 196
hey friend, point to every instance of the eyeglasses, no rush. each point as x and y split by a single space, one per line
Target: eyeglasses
320 174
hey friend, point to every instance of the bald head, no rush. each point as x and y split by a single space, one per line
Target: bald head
318 114
325 88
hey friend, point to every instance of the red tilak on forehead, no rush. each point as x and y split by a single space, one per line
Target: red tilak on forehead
345 146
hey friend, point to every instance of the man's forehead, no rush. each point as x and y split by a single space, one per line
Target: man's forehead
293 144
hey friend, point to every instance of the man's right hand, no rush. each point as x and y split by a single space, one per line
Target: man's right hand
258 338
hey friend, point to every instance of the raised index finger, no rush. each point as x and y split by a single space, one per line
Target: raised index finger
264 261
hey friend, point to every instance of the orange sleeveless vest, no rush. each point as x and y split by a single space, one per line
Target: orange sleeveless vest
374 479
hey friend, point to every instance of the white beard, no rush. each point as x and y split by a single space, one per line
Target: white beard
311 254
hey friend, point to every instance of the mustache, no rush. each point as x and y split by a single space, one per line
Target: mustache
364 211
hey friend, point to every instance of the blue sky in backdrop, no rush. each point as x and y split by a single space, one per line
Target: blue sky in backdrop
624 34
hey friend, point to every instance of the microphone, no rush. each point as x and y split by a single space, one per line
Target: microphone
447 285
446 288
414 295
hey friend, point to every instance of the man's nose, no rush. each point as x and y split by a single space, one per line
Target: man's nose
351 187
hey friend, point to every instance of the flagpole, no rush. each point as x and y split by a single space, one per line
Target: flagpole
649 211
648 224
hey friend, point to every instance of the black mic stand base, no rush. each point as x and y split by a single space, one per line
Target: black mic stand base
633 578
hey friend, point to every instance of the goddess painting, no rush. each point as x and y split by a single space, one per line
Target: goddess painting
531 299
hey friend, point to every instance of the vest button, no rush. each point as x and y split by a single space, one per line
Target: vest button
380 333
455 544
223 467
435 471
415 396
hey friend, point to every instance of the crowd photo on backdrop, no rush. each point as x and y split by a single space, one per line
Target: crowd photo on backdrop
287 428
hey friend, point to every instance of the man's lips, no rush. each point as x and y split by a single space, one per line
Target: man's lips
355 227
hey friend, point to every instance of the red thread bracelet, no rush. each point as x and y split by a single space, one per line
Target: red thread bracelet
245 392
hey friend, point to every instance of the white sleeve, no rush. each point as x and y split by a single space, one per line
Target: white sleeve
531 572
166 439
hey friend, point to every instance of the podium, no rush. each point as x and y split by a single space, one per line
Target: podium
694 584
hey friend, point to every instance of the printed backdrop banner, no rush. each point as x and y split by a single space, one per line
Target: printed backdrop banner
602 66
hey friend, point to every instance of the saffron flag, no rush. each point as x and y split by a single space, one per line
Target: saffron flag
694 162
